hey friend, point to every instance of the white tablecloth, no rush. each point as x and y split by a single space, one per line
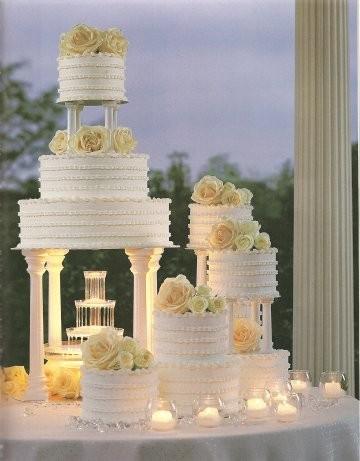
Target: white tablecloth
328 435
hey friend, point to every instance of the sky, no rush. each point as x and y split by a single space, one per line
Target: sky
202 76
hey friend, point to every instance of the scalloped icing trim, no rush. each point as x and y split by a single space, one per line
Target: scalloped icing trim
93 200
92 55
164 313
95 187
228 361
271 250
139 371
218 207
71 155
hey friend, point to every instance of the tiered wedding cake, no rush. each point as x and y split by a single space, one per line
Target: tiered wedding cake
242 268
93 191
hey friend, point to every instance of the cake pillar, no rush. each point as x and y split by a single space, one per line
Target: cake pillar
151 292
73 117
201 267
267 344
36 260
140 259
54 267
323 241
254 311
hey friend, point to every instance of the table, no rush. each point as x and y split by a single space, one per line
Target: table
327 435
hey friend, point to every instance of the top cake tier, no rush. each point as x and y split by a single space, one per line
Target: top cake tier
91 66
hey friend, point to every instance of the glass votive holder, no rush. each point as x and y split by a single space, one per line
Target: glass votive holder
257 404
333 385
300 381
163 415
278 390
208 411
288 409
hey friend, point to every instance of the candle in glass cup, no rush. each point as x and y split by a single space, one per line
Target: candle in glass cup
256 408
286 412
209 417
162 420
299 386
333 390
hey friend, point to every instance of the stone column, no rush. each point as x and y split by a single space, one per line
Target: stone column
54 267
36 260
323 261
140 259
267 344
201 267
151 292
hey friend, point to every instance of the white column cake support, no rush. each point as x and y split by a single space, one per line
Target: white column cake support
151 292
54 267
115 116
73 117
254 311
201 267
36 260
323 240
267 344
140 259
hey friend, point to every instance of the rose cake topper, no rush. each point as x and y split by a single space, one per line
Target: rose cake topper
212 191
178 296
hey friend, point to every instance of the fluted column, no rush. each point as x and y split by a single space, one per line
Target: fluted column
36 260
201 267
267 344
323 279
151 292
140 259
54 266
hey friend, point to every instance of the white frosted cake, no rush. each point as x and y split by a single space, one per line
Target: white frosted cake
215 200
118 380
92 65
191 340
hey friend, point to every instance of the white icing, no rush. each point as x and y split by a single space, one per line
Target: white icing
203 217
94 176
94 223
96 77
190 336
238 274
115 396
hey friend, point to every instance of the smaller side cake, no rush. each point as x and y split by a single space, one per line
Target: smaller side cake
118 379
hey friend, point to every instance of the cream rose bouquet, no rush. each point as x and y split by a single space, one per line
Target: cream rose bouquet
212 191
91 139
238 235
246 335
108 351
14 381
178 296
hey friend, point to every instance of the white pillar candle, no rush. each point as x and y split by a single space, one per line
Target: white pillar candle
333 390
256 408
162 420
209 417
299 386
286 412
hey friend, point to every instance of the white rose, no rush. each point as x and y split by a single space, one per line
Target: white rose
67 383
217 304
101 350
80 40
143 359
208 191
114 42
247 334
249 227
125 361
244 242
59 143
262 241
91 139
123 140
232 198
203 290
245 195
223 234
174 295
14 381
198 304
128 344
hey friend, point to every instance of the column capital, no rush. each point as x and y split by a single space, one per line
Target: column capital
36 260
154 265
55 259
139 259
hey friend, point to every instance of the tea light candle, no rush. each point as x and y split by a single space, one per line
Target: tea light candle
333 390
256 408
209 417
286 412
162 420
299 386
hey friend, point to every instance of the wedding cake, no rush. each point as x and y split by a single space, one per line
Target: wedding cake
242 267
191 342
93 188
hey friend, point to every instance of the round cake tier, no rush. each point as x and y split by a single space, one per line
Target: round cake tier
256 369
115 396
190 336
243 274
94 224
92 78
203 217
185 382
69 176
